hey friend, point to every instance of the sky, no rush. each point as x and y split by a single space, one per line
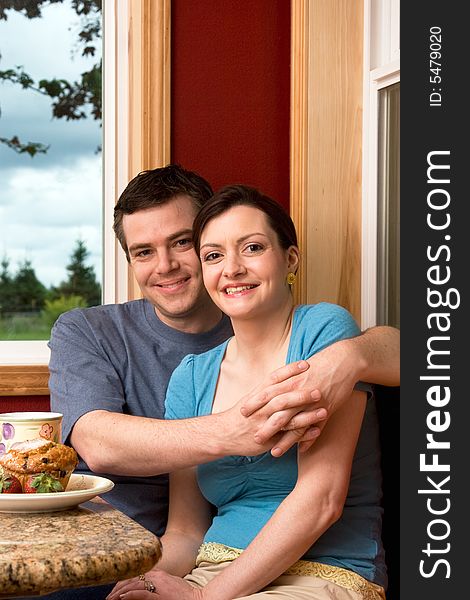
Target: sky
49 201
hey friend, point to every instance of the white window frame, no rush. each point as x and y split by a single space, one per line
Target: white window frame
381 69
115 173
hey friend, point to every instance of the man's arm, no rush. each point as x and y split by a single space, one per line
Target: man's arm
378 353
373 356
122 444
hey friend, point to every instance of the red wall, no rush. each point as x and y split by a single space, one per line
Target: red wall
24 403
231 91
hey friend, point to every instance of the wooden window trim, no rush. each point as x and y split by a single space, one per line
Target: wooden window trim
149 92
24 380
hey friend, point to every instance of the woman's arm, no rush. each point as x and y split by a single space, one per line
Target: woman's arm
316 502
189 517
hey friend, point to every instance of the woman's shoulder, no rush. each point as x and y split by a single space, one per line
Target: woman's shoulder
189 389
324 312
316 326
198 367
205 359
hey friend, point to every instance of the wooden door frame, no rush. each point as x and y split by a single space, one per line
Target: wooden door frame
326 148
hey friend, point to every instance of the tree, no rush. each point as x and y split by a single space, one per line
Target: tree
82 280
6 288
70 101
28 292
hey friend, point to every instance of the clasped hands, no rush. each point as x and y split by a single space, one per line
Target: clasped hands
280 412
294 404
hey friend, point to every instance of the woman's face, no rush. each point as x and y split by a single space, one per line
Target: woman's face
243 265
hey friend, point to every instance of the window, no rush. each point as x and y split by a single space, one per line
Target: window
51 168
388 217
109 172
380 289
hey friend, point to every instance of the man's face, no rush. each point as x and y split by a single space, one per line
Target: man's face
165 264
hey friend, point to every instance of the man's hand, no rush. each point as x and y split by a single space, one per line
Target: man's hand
292 397
373 356
279 413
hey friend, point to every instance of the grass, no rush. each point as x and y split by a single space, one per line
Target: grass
21 327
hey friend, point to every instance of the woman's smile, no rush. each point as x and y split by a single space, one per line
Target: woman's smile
238 289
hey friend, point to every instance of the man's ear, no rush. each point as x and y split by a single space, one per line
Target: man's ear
293 258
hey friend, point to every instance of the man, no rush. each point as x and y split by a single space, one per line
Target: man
110 365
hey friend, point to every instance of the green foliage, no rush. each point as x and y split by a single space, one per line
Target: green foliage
17 75
24 327
30 148
71 101
27 293
22 292
29 8
81 280
54 308
28 310
6 288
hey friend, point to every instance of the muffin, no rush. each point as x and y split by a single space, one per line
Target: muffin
39 456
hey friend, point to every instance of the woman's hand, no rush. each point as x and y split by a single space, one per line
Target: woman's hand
167 587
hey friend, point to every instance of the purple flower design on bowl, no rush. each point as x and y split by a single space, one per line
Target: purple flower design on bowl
2 449
8 431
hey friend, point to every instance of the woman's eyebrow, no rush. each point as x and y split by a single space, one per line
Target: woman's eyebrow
210 245
245 237
239 241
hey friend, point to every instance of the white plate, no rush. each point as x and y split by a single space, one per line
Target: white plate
79 489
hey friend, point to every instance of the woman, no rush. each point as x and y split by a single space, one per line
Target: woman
306 525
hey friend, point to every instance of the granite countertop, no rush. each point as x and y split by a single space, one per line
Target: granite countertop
91 544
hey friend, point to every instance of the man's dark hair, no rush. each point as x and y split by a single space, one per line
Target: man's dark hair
155 187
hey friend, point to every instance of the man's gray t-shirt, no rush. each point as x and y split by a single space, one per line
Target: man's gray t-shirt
120 357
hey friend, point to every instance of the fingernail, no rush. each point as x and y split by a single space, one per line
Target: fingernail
315 395
303 364
321 413
243 411
276 452
257 439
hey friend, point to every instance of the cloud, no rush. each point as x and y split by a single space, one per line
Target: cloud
46 211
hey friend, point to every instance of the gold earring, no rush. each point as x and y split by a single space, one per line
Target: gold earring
291 278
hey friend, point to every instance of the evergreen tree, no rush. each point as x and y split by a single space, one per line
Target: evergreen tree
6 288
28 292
82 279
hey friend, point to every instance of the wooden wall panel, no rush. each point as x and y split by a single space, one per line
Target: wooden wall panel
329 213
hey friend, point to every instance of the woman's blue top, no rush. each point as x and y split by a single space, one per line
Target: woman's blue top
247 490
